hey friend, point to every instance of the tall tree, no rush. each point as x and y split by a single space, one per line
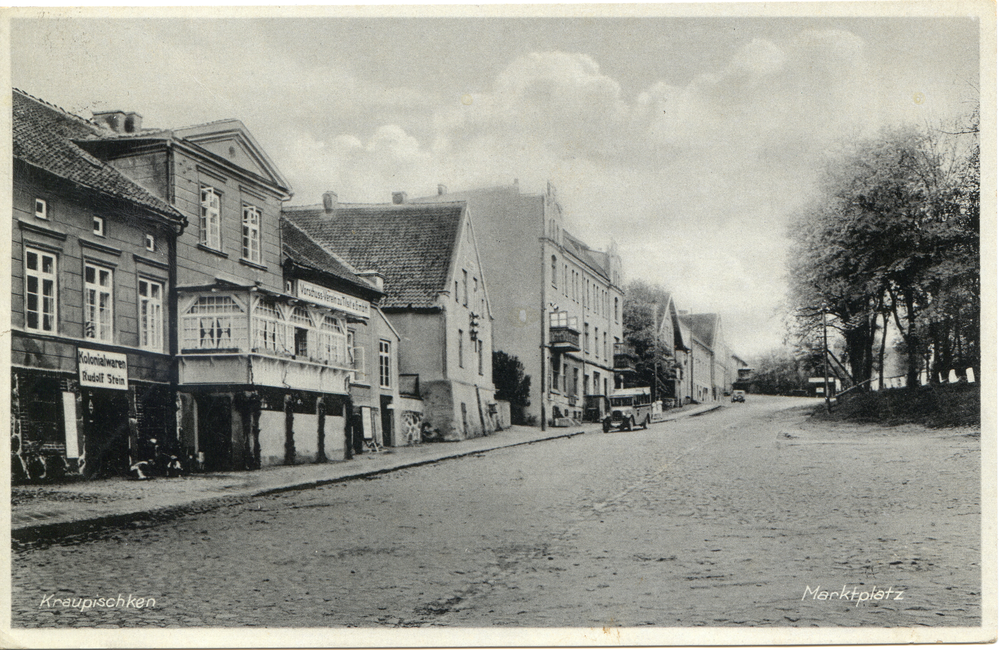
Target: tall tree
643 312
894 232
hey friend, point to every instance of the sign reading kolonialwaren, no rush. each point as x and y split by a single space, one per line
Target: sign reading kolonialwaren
331 298
102 369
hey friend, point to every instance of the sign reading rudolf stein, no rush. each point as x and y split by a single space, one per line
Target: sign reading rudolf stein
102 369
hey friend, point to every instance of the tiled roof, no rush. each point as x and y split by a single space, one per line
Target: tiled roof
410 245
585 253
702 326
43 137
299 247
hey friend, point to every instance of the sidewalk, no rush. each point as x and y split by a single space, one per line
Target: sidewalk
41 511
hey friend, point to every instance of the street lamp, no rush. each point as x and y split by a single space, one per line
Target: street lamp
826 365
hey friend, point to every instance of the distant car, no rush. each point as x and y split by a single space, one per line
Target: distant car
739 396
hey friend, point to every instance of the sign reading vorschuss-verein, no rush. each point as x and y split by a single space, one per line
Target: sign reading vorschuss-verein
102 369
331 298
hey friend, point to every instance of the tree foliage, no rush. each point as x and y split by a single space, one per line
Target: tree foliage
894 238
511 383
643 312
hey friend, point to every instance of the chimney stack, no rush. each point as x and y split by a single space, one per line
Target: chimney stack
329 202
119 121
442 189
374 277
399 198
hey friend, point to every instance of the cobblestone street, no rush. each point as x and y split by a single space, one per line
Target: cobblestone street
741 517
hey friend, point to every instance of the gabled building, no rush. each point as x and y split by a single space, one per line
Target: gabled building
558 302
91 266
435 298
264 355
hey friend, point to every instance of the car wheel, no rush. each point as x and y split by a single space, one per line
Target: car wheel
645 423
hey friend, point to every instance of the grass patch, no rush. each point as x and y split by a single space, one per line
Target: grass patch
946 405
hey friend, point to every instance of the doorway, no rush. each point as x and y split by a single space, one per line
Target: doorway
386 408
215 431
106 443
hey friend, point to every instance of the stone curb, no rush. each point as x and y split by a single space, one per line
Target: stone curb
30 532
44 532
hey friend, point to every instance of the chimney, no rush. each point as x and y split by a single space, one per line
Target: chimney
119 121
329 202
373 277
399 198
442 189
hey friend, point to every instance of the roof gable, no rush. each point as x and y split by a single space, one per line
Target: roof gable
230 140
412 246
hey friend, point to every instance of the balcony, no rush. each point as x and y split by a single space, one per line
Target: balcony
625 358
564 333
564 339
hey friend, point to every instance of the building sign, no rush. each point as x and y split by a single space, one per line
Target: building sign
102 369
330 298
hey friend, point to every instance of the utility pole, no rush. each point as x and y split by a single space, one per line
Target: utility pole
826 365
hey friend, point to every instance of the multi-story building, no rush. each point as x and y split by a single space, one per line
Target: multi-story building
558 302
90 310
710 357
435 298
266 351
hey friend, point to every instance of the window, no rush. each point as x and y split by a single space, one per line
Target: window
39 290
150 315
334 341
616 309
456 291
384 360
461 361
251 234
301 318
41 209
98 313
214 322
479 345
269 328
151 243
605 346
586 338
597 342
465 288
554 272
565 280
99 226
211 214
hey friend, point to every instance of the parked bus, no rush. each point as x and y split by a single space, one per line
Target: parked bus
629 407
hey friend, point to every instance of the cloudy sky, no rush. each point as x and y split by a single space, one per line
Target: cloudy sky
688 141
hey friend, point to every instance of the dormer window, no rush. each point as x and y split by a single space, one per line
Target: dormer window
99 226
41 209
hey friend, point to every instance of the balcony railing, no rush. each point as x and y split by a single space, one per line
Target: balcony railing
625 357
564 339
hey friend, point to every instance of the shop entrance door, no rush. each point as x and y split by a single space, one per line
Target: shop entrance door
386 404
215 431
107 433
